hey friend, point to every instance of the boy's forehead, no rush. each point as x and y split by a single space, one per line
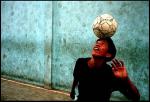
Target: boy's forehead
101 40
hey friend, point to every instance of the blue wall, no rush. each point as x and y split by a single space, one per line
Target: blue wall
26 40
42 40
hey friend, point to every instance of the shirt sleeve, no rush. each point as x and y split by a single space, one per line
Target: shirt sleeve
76 69
124 86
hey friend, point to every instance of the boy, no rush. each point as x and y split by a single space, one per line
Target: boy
96 80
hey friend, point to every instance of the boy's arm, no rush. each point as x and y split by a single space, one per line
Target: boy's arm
75 80
74 84
124 83
130 90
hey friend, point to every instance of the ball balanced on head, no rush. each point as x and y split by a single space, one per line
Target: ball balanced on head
104 26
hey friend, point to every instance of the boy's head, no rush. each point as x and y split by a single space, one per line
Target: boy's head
105 48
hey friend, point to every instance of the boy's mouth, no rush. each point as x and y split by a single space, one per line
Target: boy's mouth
96 48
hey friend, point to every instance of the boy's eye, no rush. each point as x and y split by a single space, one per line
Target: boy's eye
98 41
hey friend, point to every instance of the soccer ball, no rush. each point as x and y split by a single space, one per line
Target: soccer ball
104 26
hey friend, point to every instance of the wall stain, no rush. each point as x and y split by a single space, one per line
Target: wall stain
47 48
110 2
83 24
64 41
83 51
59 23
27 47
12 13
4 56
59 5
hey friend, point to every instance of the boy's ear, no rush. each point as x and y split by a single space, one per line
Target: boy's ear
108 55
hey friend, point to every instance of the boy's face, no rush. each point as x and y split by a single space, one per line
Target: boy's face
100 49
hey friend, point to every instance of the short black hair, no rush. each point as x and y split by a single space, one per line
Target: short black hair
111 47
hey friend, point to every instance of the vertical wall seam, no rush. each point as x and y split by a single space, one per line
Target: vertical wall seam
52 45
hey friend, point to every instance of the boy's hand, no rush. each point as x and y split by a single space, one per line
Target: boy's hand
72 94
119 69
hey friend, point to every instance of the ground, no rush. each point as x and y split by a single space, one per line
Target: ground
16 91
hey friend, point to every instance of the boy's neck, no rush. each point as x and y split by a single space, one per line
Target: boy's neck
96 62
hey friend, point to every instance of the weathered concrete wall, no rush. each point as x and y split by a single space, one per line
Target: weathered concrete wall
26 40
42 40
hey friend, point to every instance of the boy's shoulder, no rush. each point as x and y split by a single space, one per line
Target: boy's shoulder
81 59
